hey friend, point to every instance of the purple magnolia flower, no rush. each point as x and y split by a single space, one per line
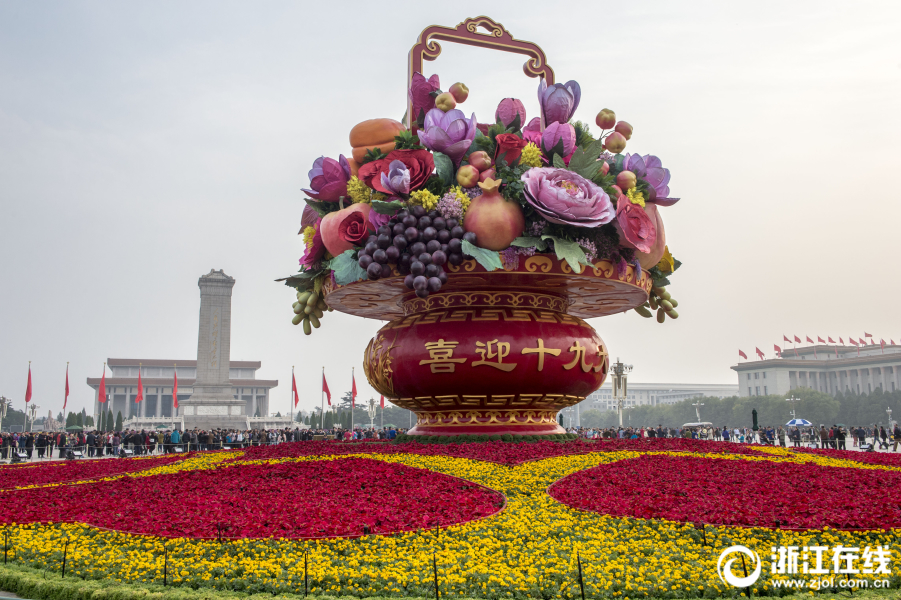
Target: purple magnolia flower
532 131
421 94
508 110
650 168
565 197
557 133
558 102
328 179
448 132
397 181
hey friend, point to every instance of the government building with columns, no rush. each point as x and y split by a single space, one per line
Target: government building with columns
157 379
825 368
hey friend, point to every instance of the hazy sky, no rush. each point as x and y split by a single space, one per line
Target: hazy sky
144 143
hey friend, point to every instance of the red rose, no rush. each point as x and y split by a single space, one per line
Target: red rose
419 162
635 228
509 145
353 228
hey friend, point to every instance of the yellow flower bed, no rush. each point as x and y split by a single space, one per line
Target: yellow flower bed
526 551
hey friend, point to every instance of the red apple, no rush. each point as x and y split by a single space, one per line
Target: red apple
489 174
615 142
626 180
460 92
480 160
605 168
606 119
467 176
445 102
331 222
625 129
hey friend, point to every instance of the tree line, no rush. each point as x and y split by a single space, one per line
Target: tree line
817 407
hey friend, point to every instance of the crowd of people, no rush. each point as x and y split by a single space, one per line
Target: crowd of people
835 437
18 446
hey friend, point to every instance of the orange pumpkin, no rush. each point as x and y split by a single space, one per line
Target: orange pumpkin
354 166
374 133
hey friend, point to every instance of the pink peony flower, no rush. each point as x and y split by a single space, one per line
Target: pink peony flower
567 198
634 226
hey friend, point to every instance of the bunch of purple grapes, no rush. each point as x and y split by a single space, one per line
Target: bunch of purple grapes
420 243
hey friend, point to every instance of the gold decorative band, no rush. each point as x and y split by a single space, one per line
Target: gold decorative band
485 299
488 418
511 403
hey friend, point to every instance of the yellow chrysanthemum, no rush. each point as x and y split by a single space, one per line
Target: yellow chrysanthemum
462 197
531 156
427 199
666 263
635 197
358 191
308 234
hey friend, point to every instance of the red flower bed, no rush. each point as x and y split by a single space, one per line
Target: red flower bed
307 499
504 453
872 458
65 471
736 492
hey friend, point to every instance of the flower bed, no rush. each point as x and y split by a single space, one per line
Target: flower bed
736 492
15 476
296 499
503 453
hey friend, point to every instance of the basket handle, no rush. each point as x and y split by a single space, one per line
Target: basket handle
467 32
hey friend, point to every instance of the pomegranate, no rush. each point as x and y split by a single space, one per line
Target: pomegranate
495 220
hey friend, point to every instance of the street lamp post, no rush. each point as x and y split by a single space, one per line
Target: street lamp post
793 400
890 422
620 375
33 409
698 406
5 403
371 411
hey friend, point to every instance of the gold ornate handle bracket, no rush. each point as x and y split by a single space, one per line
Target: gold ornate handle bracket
467 32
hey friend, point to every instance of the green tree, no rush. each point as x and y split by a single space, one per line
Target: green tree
89 421
109 419
119 421
79 420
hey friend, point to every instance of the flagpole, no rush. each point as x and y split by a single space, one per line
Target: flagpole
291 396
322 397
353 398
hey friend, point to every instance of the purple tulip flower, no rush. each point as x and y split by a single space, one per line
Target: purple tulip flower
397 181
508 110
558 102
559 133
448 132
565 197
422 95
328 179
650 168
532 131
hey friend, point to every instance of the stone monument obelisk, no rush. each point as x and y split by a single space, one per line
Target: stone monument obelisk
212 405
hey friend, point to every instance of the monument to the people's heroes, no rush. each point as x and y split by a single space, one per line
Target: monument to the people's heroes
212 405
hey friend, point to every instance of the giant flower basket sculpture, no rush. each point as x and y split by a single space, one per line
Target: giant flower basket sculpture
485 246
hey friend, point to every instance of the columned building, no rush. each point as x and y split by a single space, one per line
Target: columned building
828 369
656 394
157 379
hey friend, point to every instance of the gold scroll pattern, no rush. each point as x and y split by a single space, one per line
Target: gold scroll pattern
488 418
496 402
478 299
377 364
480 314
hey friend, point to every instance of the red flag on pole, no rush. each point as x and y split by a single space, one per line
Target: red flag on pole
893 342
382 401
841 341
140 395
853 341
863 342
101 391
66 398
28 387
865 334
797 339
353 390
831 341
175 387
328 394
294 388
743 355
785 337
777 349
759 353
809 340
821 340
882 343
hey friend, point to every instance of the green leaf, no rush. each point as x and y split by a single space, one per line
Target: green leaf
571 252
444 167
321 208
585 162
489 259
558 162
676 264
662 282
386 208
346 268
530 242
